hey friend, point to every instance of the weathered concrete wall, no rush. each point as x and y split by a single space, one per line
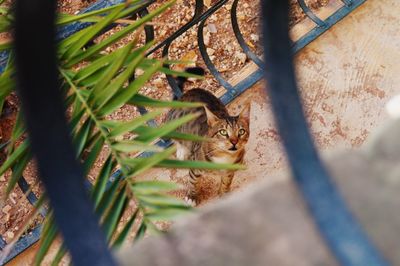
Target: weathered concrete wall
346 77
268 225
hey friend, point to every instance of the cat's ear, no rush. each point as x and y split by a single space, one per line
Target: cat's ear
245 113
211 118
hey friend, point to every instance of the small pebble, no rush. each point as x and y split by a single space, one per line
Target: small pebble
210 51
212 28
207 38
207 3
241 56
10 235
158 82
255 37
5 218
6 208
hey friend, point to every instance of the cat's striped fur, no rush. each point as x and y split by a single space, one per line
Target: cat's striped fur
228 135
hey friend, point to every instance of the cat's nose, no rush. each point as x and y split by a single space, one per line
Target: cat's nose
234 141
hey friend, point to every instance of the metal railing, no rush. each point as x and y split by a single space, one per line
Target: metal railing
201 14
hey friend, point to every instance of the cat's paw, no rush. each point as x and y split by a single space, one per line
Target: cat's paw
190 202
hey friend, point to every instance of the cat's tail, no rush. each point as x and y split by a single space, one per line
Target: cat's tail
182 80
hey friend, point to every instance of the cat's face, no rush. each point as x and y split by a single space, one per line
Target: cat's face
231 134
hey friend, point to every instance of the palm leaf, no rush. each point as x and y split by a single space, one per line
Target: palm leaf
90 32
144 101
93 90
153 134
123 128
125 231
124 95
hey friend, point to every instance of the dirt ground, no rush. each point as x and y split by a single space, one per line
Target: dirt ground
224 51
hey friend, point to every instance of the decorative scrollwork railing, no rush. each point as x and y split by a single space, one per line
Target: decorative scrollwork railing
201 14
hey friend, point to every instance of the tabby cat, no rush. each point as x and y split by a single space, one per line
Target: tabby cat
228 134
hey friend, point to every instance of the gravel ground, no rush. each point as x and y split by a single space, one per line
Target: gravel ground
221 45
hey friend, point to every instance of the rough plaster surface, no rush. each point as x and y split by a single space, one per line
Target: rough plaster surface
268 225
345 77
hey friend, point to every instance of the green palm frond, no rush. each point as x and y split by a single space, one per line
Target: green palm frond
95 89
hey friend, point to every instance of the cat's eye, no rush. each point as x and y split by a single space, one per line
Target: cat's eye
242 132
223 132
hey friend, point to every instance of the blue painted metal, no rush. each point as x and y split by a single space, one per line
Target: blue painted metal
330 21
311 14
349 6
231 91
24 186
239 36
3 243
24 242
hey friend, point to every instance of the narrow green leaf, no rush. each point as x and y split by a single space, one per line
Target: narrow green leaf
144 101
145 130
117 36
107 197
59 256
3 145
17 171
66 19
125 13
91 32
148 187
134 146
141 231
149 162
111 89
92 79
101 181
2 100
111 124
158 201
67 42
93 154
166 214
76 106
134 7
5 45
94 66
125 231
169 127
135 123
14 157
81 137
168 163
183 136
48 237
18 129
151 227
124 95
73 124
108 75
172 72
199 165
114 213
6 82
